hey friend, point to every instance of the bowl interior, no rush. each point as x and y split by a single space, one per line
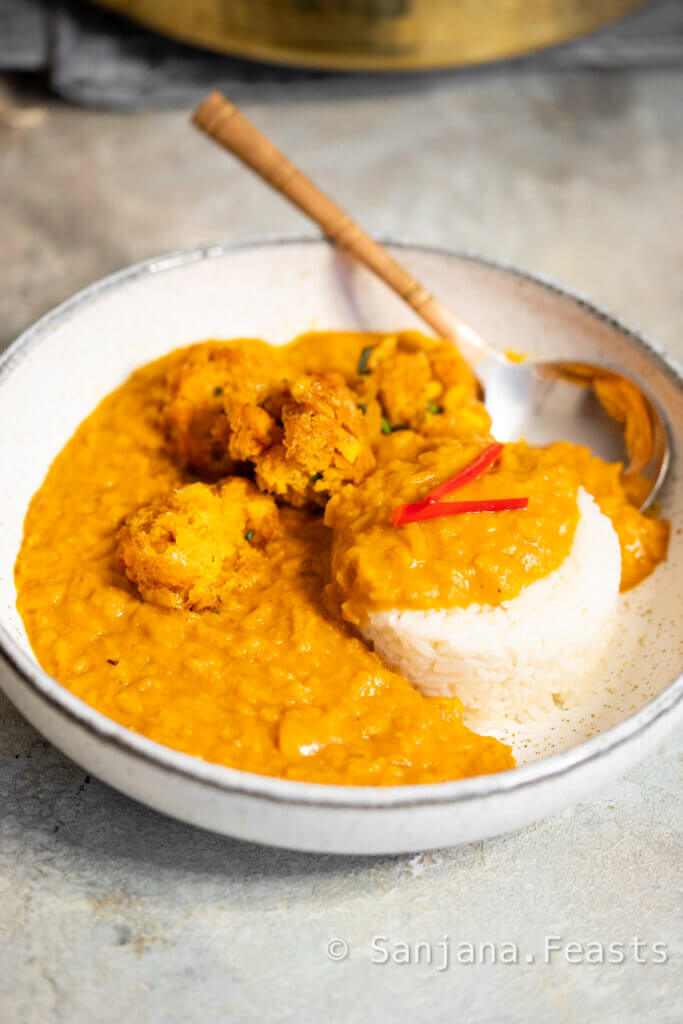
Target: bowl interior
67 363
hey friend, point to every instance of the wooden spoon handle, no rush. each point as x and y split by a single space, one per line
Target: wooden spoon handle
221 119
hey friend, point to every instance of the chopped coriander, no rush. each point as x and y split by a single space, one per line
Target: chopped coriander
388 429
217 391
434 408
248 536
316 476
363 361
363 408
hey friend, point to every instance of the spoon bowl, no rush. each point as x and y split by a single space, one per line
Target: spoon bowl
544 402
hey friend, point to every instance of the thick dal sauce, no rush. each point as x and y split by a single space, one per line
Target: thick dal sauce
270 684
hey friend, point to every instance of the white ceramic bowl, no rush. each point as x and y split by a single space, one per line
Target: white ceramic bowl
56 372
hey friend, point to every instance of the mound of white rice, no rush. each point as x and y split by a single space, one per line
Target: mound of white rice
519 659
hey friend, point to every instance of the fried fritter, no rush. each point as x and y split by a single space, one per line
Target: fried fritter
193 547
421 384
233 404
324 442
236 405
201 389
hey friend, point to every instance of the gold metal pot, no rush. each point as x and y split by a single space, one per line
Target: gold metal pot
379 35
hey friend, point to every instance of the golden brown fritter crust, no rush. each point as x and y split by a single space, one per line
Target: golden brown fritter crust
324 442
212 377
421 384
251 430
232 404
242 406
193 547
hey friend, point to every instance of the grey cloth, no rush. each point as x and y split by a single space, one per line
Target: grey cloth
23 35
97 59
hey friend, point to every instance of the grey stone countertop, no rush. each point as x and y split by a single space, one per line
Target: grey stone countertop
109 911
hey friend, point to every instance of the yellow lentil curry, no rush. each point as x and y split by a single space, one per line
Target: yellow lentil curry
200 553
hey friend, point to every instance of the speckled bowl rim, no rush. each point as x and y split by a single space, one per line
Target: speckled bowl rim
287 791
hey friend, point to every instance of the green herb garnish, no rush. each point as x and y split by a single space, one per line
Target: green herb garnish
363 408
217 391
363 361
388 429
434 408
248 536
316 476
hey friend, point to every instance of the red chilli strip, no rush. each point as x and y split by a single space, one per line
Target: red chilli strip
418 511
470 472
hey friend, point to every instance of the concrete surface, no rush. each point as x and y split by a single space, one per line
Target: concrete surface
111 912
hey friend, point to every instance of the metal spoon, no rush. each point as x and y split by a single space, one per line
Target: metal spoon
539 401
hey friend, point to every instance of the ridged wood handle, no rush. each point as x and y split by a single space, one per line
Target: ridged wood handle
221 120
